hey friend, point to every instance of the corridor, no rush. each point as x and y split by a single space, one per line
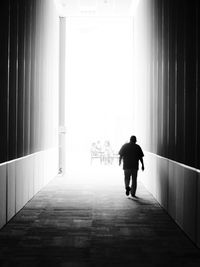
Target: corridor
93 223
78 78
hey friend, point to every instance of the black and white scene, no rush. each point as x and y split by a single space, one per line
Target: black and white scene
99 133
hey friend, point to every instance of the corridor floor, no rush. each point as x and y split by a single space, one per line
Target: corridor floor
76 221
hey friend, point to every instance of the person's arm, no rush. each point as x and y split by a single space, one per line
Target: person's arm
142 162
120 155
120 159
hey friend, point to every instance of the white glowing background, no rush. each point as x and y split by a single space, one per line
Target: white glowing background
99 84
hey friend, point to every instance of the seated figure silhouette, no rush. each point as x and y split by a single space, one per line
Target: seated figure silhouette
108 153
131 154
96 151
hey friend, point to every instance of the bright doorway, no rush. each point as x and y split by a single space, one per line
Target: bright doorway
99 89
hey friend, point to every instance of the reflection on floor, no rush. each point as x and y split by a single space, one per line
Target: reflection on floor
76 221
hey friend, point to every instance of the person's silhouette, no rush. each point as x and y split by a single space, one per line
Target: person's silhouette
131 154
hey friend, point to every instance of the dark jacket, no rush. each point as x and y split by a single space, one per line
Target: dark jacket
131 153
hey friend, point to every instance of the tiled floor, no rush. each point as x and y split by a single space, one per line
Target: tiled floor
76 221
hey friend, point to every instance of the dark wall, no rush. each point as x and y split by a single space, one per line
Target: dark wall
28 77
3 79
169 35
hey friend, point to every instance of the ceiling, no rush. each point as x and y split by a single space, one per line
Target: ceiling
96 7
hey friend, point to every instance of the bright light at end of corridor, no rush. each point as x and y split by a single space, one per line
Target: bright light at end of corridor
99 86
96 8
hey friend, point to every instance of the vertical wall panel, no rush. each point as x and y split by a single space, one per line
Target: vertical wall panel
11 185
160 78
162 182
12 124
190 203
151 46
179 193
197 121
198 211
171 80
28 41
21 75
19 174
32 78
3 190
197 85
172 191
173 55
165 80
180 143
30 176
36 105
190 84
155 79
4 20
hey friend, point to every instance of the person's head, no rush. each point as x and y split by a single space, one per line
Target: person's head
133 139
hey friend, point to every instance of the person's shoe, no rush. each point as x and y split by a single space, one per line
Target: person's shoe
128 191
134 196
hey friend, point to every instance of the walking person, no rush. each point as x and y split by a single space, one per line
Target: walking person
131 154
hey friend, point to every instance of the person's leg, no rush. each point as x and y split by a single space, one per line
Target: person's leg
134 182
127 176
